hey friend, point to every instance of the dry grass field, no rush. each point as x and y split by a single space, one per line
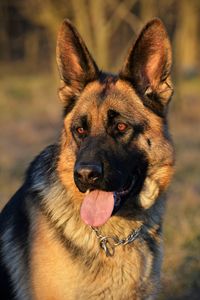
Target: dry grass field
30 118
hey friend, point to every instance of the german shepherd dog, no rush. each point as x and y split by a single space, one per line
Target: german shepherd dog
87 221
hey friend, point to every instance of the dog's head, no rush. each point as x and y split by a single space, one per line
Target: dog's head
115 128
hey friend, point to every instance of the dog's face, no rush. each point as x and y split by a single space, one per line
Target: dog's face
115 126
105 134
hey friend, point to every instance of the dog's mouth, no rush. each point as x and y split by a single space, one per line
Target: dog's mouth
98 206
121 195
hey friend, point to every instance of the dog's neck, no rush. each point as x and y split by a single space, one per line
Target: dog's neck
75 234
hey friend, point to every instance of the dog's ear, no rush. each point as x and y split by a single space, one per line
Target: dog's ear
148 66
75 64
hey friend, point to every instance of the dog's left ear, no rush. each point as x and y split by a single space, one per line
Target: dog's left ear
148 66
76 65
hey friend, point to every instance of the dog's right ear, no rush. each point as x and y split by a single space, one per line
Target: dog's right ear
76 65
148 67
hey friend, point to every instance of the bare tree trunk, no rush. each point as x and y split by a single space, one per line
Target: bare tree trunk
186 37
148 10
101 36
82 21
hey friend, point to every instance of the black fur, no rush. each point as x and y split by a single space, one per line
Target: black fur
15 216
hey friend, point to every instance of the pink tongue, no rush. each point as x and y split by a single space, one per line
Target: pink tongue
97 207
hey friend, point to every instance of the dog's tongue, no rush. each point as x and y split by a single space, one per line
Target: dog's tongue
97 207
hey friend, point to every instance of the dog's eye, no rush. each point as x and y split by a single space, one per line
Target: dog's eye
122 127
81 131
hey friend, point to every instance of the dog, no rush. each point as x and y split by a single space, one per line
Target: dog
87 221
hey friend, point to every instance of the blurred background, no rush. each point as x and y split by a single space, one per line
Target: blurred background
30 113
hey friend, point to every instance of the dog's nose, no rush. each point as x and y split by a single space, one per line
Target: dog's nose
88 174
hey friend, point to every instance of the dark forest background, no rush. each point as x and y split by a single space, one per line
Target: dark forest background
30 113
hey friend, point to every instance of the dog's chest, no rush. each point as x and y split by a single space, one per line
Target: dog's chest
58 280
57 275
116 279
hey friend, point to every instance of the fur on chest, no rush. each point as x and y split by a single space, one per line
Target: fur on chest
58 274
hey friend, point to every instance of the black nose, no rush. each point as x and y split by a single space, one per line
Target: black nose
88 174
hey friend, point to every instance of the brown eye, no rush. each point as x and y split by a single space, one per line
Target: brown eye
81 131
121 127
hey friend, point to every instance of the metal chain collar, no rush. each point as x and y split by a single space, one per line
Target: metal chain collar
109 243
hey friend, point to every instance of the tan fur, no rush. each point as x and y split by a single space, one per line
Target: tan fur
55 275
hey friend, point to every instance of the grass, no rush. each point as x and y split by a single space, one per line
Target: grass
29 120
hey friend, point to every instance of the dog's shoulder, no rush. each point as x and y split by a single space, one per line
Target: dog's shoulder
15 222
14 218
43 168
13 236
